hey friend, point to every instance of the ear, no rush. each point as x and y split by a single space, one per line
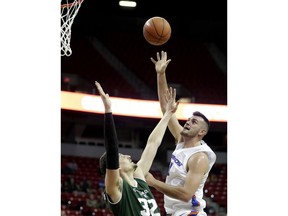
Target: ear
202 132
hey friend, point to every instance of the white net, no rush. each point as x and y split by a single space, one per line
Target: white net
68 13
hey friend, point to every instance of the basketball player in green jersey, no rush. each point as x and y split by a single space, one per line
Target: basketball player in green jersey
126 190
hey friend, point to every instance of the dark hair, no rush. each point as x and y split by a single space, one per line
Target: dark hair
197 113
103 163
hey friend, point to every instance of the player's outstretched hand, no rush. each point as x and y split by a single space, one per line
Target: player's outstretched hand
105 98
161 63
170 97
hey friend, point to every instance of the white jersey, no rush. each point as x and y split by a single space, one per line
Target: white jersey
176 176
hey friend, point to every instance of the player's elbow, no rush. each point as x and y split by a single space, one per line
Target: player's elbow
186 197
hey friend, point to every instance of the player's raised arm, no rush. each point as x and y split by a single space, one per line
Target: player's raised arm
160 67
156 136
112 176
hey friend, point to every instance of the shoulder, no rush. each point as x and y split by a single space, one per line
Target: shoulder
198 161
202 156
139 173
210 153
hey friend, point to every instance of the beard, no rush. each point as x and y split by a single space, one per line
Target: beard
184 133
188 133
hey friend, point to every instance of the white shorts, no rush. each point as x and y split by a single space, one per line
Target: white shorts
188 213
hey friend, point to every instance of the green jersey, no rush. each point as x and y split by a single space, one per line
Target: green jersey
135 201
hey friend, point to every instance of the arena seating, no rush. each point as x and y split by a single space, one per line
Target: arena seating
73 203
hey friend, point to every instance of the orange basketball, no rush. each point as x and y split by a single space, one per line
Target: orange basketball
157 31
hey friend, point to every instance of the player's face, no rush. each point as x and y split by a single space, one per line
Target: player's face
192 126
126 163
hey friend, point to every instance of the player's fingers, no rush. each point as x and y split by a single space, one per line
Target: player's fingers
168 61
99 88
171 91
153 60
176 107
158 56
174 94
164 55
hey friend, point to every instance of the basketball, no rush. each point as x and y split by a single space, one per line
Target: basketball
157 31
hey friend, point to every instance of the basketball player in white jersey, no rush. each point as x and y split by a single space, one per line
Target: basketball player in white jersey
191 160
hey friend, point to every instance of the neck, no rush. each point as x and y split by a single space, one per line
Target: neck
129 178
191 142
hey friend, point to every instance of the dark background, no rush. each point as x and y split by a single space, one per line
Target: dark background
199 29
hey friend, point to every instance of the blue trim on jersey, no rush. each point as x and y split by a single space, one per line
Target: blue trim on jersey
194 201
176 160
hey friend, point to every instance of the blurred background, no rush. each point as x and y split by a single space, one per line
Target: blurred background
108 46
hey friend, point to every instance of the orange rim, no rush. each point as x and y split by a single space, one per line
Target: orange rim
71 4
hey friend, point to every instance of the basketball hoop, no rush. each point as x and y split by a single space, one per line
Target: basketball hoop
68 13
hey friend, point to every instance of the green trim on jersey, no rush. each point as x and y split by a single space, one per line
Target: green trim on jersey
135 201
